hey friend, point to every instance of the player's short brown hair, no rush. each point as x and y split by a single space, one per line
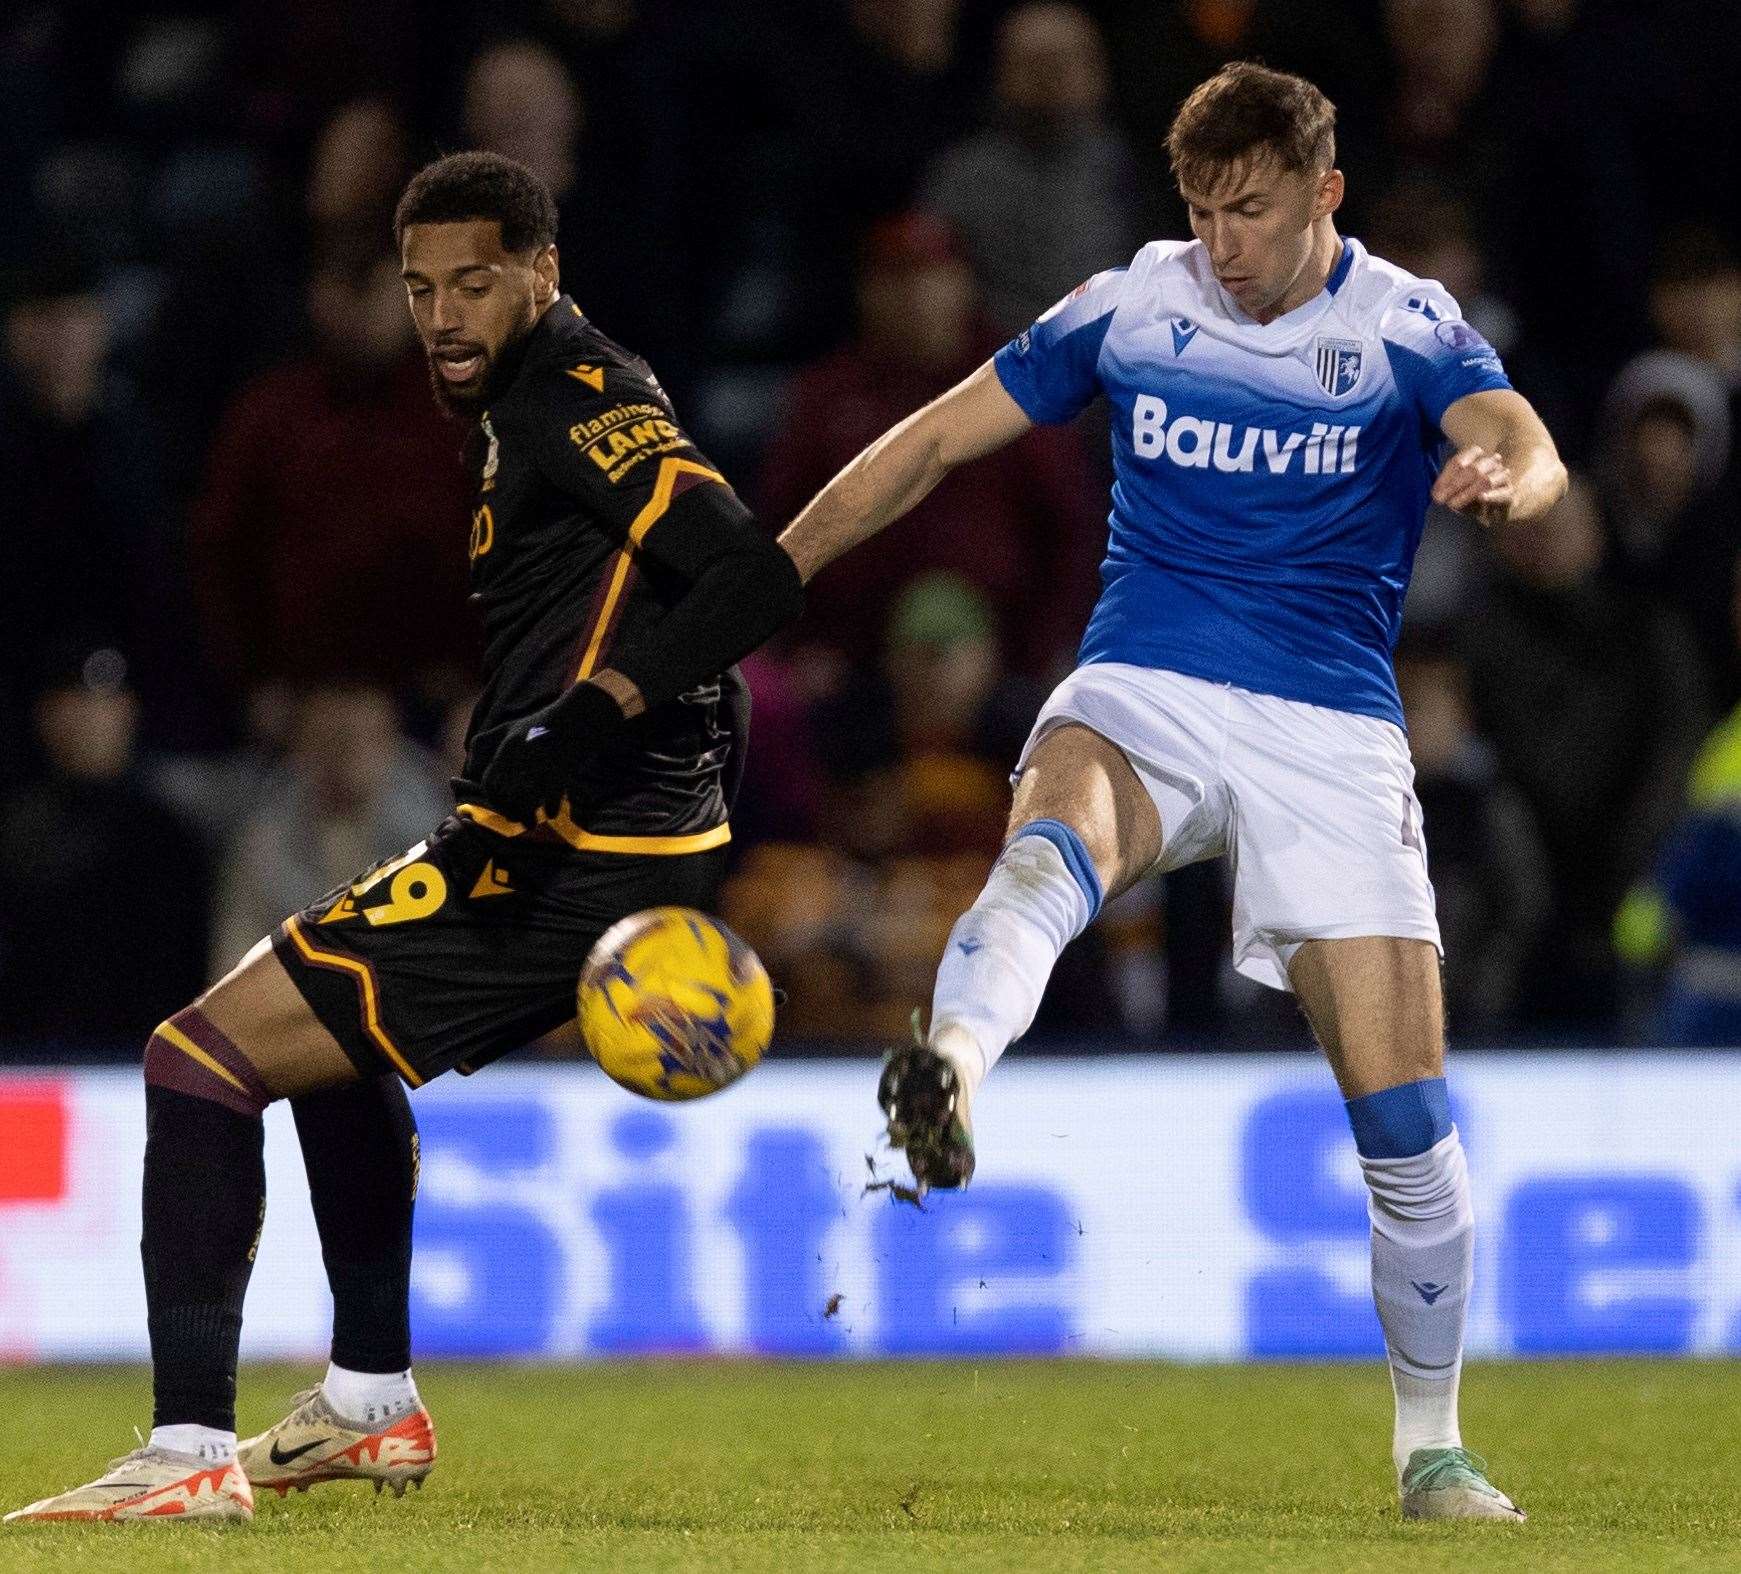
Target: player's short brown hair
1247 112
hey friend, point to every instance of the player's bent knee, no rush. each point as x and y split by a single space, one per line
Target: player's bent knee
1067 842
188 1054
1078 778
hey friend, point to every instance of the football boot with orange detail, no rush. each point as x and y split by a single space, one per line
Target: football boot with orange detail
314 1443
152 1483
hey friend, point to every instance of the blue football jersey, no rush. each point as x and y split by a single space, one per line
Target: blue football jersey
1270 479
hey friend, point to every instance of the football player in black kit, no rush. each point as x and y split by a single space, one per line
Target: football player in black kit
619 579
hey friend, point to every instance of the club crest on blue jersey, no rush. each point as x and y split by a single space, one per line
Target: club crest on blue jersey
1338 363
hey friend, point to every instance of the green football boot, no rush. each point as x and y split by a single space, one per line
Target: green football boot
927 1107
1449 1483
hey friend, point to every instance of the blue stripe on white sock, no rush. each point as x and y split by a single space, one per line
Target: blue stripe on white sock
1075 855
1398 1123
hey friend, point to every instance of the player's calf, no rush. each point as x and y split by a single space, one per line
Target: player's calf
1042 892
204 1204
1423 1241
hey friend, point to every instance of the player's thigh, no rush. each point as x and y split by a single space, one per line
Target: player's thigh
1076 776
1375 1004
257 1007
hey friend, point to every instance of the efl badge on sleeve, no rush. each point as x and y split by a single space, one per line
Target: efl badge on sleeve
493 458
1338 365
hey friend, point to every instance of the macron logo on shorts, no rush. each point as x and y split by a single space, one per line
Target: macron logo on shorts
1196 444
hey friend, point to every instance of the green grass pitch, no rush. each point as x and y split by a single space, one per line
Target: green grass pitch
957 1466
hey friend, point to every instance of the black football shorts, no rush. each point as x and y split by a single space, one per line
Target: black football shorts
471 943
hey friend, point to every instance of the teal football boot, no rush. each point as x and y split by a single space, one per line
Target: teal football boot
1450 1483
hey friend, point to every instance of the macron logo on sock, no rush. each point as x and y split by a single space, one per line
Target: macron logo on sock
1429 1292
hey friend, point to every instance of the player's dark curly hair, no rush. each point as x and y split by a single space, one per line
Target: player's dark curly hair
1248 110
466 186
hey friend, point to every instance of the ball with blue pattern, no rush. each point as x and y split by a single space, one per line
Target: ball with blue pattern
673 1005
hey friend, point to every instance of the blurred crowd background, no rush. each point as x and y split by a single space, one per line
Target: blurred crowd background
237 655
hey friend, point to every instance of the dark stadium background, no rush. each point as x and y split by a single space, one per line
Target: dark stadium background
234 647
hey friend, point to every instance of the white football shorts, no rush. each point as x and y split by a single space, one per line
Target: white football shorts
1316 808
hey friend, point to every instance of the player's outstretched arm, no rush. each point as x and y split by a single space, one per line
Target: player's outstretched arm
1506 466
974 418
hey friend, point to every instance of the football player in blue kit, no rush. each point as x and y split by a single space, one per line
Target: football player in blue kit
1283 407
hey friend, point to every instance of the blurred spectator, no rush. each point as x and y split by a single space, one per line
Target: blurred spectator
1688 915
215 297
355 174
103 892
88 539
801 906
214 790
521 102
352 791
1441 52
330 534
1695 301
780 795
800 128
1026 526
1592 698
884 98
1043 196
635 214
1672 509
923 745
1489 873
1421 225
957 721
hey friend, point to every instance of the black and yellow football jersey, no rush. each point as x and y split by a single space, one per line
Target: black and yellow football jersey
470 943
575 460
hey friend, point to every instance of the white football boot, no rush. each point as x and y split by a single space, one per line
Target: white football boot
314 1443
152 1483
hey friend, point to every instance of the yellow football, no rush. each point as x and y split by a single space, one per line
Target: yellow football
673 1005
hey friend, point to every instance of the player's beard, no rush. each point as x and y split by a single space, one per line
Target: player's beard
462 406
498 372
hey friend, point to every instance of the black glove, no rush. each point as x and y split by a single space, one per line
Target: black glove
538 760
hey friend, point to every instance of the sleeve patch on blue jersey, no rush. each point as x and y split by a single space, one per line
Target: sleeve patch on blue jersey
1050 369
1459 335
